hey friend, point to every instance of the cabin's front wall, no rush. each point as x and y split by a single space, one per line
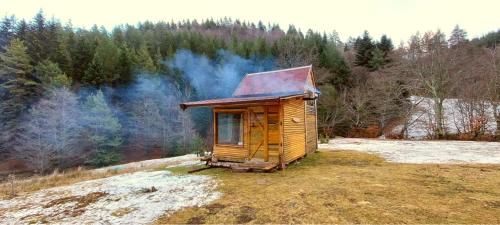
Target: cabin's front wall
268 117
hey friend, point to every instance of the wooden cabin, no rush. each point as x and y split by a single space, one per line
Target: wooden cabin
271 117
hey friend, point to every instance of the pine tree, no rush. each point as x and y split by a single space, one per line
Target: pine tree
261 48
364 47
124 67
457 37
21 30
377 60
103 68
337 66
385 45
144 61
36 39
103 130
17 90
94 75
7 26
50 75
82 53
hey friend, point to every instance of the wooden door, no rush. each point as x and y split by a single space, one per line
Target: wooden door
258 134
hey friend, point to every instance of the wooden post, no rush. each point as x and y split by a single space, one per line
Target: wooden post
215 132
266 136
306 136
249 122
316 121
281 125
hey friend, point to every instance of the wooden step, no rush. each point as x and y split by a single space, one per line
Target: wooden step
246 166
252 165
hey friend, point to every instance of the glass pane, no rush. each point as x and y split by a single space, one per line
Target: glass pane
230 128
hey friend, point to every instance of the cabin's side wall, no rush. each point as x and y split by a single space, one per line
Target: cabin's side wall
293 129
311 129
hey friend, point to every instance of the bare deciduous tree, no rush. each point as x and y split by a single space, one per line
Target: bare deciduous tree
434 67
331 109
492 65
51 133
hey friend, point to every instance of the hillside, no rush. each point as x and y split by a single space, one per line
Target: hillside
459 118
103 97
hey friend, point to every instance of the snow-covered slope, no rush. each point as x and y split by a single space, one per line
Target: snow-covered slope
455 119
405 151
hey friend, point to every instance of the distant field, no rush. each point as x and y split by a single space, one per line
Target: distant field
352 187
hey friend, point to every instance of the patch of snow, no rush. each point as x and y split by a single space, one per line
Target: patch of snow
423 117
125 194
405 151
185 160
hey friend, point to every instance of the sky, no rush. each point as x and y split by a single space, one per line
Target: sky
399 19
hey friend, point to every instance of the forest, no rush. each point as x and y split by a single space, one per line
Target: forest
71 96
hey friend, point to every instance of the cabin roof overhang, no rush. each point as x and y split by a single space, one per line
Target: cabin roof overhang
239 100
267 86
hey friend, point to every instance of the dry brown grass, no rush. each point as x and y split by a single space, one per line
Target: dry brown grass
352 187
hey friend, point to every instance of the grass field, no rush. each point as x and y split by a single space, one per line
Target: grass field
352 187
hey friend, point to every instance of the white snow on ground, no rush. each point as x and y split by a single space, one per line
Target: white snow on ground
122 199
422 151
454 120
185 160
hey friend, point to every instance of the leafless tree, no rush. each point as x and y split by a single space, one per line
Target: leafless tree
434 67
331 109
359 106
492 70
293 53
51 133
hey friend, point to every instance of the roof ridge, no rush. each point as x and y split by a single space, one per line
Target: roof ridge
273 71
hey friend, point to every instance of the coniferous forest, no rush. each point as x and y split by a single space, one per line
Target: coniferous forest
71 96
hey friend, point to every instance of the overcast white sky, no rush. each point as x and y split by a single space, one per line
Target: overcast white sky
397 18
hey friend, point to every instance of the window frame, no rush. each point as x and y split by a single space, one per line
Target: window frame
216 127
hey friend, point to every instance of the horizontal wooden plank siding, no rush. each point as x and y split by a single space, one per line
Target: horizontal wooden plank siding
229 153
294 130
311 129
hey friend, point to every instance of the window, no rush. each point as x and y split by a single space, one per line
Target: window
230 128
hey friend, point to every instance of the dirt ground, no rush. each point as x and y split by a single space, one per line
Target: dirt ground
404 151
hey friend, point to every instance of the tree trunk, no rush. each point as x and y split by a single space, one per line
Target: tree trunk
439 116
496 114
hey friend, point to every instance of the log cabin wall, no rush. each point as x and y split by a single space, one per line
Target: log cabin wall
294 137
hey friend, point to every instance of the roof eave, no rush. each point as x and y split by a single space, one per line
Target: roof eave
187 105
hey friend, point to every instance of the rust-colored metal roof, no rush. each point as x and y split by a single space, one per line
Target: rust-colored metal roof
265 86
271 83
235 100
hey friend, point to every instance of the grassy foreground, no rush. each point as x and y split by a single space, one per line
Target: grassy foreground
352 187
